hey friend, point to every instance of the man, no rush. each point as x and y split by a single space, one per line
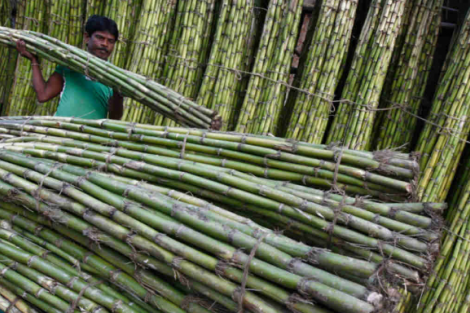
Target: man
80 96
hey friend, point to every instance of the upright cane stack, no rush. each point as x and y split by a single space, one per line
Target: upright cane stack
353 123
147 51
266 91
320 71
220 88
408 79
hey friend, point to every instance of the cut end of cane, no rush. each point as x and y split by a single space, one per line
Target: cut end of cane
5 225
375 299
216 123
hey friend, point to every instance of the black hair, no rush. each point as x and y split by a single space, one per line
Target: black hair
98 23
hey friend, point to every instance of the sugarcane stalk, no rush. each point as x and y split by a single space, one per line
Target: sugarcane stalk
17 292
10 302
12 280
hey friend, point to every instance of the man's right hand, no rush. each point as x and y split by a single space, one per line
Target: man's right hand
21 47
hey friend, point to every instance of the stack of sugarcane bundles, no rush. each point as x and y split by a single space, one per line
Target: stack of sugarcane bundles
408 79
220 89
320 71
355 114
77 23
147 51
208 164
267 89
188 49
179 235
443 138
132 85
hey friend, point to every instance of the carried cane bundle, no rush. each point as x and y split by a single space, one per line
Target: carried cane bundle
150 93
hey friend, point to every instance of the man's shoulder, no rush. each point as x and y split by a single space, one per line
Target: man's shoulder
62 70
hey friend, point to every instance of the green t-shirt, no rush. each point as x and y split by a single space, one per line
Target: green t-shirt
81 96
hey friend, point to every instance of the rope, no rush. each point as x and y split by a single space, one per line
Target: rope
246 271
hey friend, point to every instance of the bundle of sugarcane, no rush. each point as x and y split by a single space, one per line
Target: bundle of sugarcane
199 162
220 89
443 138
354 119
448 286
188 49
383 174
267 90
320 71
409 77
22 99
61 276
148 92
166 234
124 13
147 50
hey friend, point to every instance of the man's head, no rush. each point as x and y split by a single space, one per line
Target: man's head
101 34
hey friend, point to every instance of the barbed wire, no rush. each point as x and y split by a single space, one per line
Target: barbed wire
324 96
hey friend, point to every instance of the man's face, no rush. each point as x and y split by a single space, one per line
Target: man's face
100 44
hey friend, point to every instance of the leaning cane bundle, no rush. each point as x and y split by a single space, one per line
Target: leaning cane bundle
442 140
7 58
409 77
266 91
147 51
188 49
320 71
449 283
150 93
220 88
355 115
124 13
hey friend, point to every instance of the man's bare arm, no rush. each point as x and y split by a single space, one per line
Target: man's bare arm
116 107
45 91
